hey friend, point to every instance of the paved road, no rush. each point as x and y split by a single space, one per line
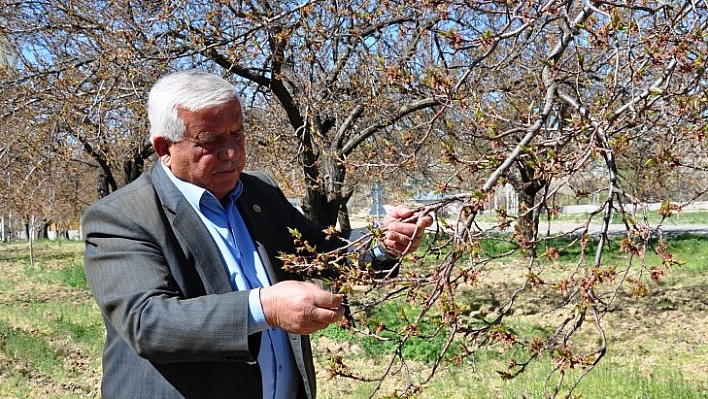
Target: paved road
617 229
595 228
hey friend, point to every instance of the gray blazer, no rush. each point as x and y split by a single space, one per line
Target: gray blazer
175 327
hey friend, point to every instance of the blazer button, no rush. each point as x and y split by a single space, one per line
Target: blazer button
257 208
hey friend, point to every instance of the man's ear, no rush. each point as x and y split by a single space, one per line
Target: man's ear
161 145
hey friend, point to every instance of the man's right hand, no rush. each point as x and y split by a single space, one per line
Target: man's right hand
300 308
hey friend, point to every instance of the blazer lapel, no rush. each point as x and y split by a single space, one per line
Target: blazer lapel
249 208
192 233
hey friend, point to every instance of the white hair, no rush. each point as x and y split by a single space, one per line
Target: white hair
191 90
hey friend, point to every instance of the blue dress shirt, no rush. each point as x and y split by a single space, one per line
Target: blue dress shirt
246 271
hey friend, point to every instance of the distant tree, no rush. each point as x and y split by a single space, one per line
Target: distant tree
569 88
340 72
76 71
39 183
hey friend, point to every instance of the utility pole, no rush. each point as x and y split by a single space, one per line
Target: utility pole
377 208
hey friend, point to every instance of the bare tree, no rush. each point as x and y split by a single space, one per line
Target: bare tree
550 93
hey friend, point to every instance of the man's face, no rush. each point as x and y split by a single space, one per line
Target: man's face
212 153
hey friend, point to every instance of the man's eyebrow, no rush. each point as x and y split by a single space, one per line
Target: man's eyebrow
207 135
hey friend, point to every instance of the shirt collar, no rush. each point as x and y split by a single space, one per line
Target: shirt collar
194 193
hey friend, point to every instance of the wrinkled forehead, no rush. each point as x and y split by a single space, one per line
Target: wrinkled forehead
225 118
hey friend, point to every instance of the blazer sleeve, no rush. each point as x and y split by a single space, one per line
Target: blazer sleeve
153 291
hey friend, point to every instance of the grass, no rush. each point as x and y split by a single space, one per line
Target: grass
609 380
32 348
656 345
614 377
51 335
478 378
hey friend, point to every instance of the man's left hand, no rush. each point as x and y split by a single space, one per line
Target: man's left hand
404 230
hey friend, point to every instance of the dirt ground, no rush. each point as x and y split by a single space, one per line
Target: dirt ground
669 327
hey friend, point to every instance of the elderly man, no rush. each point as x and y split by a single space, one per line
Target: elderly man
184 262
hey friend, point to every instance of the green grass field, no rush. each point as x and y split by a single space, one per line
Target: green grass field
51 337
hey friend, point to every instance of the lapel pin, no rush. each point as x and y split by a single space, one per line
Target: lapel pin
257 208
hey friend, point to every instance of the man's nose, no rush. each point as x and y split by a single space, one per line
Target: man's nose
231 148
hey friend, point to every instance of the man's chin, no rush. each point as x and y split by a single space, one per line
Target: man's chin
224 182
229 180
228 174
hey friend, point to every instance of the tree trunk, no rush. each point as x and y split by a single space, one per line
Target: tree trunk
29 228
103 187
527 185
43 232
528 223
321 209
134 166
325 204
343 217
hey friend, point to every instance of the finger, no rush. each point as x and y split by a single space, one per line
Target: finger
407 234
397 213
394 237
404 242
309 328
396 243
402 229
324 317
402 212
414 230
424 222
326 300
